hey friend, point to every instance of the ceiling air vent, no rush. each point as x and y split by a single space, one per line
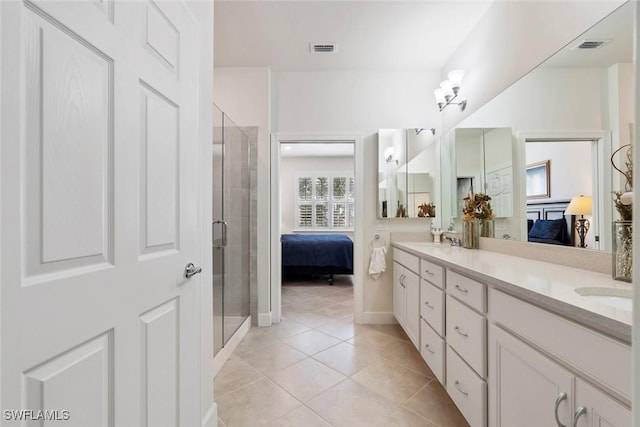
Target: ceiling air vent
323 47
591 44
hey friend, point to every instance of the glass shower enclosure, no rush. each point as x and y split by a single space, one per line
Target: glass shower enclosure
230 228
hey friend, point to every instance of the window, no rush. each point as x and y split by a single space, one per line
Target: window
325 201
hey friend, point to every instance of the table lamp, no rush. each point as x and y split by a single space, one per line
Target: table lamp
581 205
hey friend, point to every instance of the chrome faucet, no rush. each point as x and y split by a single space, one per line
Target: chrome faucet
454 241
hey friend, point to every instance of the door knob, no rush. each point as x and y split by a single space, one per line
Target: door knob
191 270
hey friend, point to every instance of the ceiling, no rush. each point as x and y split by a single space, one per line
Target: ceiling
617 28
371 35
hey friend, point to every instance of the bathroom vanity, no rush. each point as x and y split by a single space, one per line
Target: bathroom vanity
517 342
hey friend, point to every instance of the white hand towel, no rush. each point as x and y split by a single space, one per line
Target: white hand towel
378 263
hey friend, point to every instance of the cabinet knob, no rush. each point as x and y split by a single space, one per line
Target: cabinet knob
562 396
429 305
426 347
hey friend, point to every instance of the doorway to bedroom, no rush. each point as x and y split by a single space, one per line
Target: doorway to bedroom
317 221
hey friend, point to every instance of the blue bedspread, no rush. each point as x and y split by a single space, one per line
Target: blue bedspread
318 250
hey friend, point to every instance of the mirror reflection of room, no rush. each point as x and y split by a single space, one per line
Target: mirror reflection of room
408 173
574 110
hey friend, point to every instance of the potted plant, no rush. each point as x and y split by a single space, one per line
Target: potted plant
477 220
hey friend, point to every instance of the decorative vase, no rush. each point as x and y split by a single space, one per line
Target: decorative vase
622 250
473 229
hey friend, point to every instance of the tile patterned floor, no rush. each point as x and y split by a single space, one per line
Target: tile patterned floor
318 368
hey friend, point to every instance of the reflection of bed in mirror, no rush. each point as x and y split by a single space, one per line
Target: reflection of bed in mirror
547 223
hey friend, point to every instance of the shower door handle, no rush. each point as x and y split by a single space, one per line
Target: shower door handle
224 232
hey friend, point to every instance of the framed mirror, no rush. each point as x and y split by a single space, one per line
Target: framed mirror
408 173
566 117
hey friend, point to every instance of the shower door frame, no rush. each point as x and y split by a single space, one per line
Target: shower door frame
226 157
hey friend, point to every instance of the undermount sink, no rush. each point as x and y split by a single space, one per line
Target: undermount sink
613 297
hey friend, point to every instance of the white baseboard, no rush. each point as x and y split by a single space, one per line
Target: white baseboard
210 419
264 319
378 318
224 354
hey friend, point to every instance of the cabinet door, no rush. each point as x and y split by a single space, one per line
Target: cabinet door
398 292
412 307
525 385
599 410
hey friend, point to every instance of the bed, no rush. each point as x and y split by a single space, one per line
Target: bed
316 255
547 223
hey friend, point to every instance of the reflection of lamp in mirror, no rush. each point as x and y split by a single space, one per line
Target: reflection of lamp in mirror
581 205
388 155
448 91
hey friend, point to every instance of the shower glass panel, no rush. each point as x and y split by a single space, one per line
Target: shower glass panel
230 228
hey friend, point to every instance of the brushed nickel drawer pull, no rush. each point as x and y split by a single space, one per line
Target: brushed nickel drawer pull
458 330
562 396
461 289
457 384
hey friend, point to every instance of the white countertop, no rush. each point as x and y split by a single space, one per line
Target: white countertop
547 285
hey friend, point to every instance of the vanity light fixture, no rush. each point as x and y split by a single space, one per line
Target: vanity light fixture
418 130
581 205
448 91
388 155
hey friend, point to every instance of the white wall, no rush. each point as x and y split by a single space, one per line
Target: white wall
548 99
567 180
245 95
361 102
291 167
511 39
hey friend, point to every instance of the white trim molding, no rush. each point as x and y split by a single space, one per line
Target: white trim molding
358 240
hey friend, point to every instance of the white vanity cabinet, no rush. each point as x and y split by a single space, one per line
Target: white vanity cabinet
529 388
526 389
432 324
406 294
466 336
505 350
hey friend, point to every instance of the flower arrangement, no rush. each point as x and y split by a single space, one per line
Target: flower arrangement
623 199
427 210
477 206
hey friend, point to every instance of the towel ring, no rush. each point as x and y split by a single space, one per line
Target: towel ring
378 239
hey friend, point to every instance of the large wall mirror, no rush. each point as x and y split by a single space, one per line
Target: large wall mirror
557 128
408 173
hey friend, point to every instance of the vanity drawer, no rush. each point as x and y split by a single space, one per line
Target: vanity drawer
466 333
432 306
468 391
432 272
432 350
467 290
412 262
597 356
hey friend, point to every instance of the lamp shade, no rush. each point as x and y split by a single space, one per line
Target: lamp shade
445 85
455 77
439 93
580 205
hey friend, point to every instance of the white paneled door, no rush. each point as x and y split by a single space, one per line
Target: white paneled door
99 213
